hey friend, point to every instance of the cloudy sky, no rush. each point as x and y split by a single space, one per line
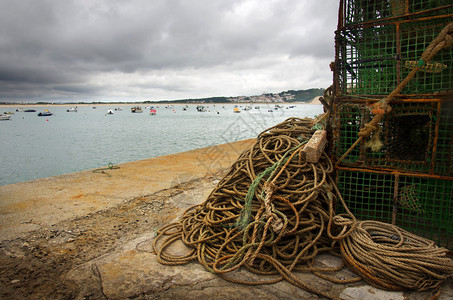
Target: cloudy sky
135 50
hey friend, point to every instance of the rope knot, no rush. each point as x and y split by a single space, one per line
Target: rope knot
268 190
381 108
276 222
368 129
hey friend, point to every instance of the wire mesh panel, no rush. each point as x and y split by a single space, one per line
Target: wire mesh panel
443 156
420 205
369 60
374 59
413 137
403 172
359 11
369 196
435 75
425 206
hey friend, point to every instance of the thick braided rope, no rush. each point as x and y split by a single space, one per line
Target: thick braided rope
302 202
391 258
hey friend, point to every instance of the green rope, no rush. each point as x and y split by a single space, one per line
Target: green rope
244 217
110 166
319 126
420 62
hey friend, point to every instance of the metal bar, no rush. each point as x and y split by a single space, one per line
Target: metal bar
395 199
394 172
377 23
398 54
436 136
365 100
384 20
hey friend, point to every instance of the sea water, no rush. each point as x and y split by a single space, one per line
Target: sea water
35 147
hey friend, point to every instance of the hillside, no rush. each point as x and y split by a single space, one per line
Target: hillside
284 97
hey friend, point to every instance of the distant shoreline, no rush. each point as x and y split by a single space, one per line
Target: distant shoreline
315 101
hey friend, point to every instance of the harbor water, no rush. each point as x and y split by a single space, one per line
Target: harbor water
41 146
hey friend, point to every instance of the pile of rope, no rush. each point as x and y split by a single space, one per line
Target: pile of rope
272 214
391 258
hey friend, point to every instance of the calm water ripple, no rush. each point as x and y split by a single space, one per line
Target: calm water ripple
36 147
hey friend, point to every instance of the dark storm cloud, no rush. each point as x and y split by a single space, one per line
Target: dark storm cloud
161 47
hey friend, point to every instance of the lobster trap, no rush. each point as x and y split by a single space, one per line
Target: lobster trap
419 204
403 172
374 55
416 137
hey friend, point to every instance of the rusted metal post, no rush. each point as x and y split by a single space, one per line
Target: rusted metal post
395 199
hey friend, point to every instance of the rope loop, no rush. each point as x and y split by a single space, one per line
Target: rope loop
274 212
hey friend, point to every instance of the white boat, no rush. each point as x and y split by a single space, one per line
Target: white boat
109 112
4 117
72 109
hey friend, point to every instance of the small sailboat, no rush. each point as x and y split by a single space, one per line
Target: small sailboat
236 110
109 112
152 112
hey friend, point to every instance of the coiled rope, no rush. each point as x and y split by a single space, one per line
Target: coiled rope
273 213
392 258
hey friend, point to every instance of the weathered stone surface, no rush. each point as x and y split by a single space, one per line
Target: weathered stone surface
133 273
370 293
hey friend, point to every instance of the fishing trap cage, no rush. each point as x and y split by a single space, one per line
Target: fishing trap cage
403 174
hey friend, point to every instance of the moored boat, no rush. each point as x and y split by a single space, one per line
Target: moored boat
109 112
45 113
201 108
136 109
236 110
4 117
152 112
